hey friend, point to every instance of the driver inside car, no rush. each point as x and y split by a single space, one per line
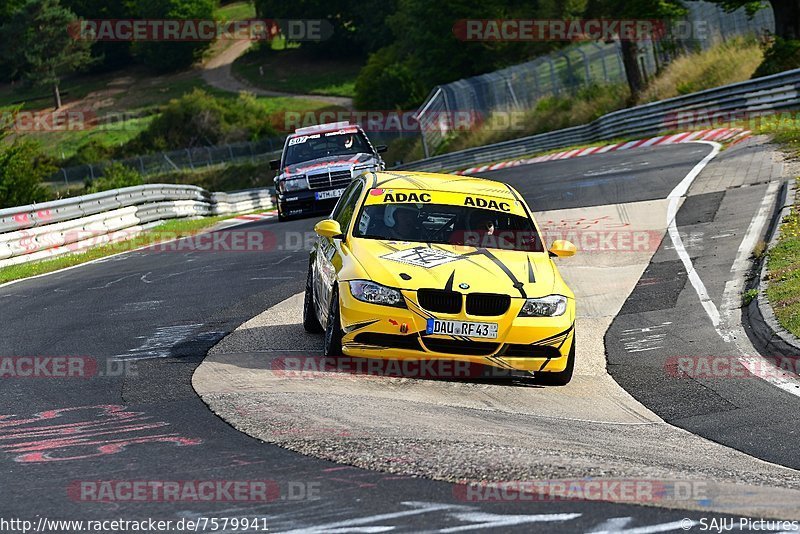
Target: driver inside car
401 223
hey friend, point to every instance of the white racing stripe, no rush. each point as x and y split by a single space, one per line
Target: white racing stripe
674 202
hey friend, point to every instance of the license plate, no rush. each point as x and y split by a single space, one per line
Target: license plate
462 328
325 195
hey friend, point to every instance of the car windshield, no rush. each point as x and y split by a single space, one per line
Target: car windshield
319 145
448 224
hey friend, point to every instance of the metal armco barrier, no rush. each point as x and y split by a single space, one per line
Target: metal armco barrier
40 231
762 95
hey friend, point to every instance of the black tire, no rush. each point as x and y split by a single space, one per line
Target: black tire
333 332
310 319
562 378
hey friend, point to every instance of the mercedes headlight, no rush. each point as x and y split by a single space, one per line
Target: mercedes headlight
367 291
295 183
549 306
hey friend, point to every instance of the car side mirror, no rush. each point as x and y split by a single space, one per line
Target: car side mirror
562 248
329 228
275 164
380 149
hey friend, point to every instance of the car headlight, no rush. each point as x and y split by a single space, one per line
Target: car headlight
549 306
295 183
367 291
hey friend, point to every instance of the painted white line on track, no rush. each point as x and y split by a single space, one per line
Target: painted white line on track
764 368
674 201
726 324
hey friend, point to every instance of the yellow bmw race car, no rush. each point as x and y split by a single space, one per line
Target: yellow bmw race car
421 266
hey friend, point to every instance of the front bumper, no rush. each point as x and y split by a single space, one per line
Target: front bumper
308 201
538 344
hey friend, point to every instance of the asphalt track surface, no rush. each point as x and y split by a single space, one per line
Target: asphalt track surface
164 310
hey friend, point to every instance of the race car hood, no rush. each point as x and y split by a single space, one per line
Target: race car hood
418 265
334 163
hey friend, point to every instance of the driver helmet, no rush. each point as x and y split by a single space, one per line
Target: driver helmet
388 214
479 220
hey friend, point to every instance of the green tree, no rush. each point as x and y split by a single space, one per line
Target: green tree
168 56
359 26
664 10
36 44
7 9
23 167
784 52
109 54
425 50
787 14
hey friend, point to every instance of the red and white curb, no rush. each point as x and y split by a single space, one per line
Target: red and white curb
730 135
256 216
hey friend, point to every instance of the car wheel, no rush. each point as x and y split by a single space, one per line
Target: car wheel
310 319
333 332
561 378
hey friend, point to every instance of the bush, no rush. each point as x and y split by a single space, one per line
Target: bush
200 119
23 167
783 54
387 82
115 176
92 151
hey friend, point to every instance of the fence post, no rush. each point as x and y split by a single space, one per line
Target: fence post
603 63
588 79
553 80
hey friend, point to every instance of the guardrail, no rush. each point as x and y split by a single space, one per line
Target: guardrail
770 93
40 231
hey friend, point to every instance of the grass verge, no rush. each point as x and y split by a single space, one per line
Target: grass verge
293 71
733 61
170 229
783 271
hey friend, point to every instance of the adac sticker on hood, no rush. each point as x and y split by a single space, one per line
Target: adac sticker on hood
416 196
